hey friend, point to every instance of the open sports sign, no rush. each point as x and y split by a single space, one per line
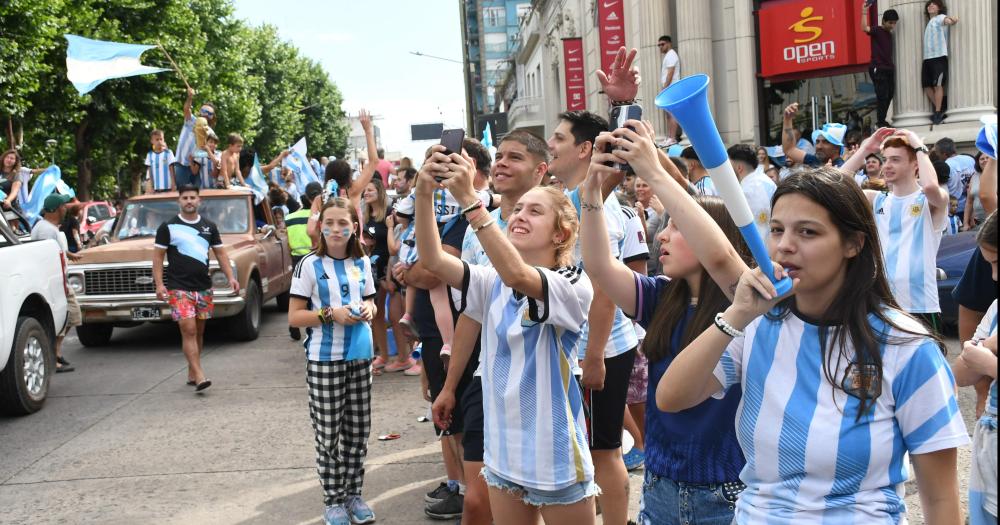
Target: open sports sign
801 39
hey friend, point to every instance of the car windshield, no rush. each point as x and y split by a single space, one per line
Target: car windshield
99 213
142 218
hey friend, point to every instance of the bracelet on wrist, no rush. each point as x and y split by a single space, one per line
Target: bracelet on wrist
472 207
476 215
727 328
483 225
623 102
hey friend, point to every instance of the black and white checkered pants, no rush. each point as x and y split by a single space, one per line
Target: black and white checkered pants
340 407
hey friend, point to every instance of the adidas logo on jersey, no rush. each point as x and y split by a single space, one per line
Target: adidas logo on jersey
324 276
881 211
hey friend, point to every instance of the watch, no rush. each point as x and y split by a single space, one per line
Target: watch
922 149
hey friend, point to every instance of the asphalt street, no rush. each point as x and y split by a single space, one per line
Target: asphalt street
124 440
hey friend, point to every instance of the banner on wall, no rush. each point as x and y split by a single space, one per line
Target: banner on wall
611 27
576 87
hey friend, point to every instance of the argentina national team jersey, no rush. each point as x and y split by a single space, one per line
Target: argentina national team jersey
809 461
159 168
988 327
623 336
909 248
532 404
207 173
324 281
185 142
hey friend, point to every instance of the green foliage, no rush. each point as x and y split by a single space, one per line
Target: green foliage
258 83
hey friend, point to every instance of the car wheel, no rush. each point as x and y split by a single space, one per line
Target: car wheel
246 324
24 383
92 334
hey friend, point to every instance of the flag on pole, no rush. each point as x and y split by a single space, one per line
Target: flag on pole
90 62
256 180
45 184
299 163
487 140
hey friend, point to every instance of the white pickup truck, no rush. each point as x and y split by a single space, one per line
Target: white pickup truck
32 310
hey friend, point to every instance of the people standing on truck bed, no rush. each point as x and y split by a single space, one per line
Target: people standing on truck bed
53 213
185 241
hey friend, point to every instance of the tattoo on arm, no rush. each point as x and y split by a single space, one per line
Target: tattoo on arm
790 133
586 206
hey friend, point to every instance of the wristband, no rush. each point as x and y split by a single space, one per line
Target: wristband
472 207
475 215
483 225
727 328
622 102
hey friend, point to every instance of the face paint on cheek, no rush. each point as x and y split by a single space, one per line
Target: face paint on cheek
346 232
327 232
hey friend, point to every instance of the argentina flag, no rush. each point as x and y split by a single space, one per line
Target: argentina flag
90 62
257 181
298 163
45 184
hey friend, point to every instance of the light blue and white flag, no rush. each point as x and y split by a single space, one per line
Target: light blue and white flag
487 140
45 184
90 62
64 188
256 181
299 164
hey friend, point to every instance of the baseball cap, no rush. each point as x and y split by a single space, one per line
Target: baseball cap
313 189
54 201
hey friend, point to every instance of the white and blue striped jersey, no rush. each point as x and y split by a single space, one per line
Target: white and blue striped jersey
809 460
325 281
533 418
936 38
988 327
207 173
954 225
185 142
705 186
472 249
158 165
623 336
909 248
446 207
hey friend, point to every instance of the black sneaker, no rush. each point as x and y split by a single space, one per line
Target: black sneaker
295 333
448 509
438 495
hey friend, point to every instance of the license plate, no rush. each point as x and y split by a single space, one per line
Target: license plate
145 313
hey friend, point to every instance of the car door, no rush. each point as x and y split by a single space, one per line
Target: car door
270 243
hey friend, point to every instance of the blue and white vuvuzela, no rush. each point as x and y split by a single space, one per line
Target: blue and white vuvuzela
687 101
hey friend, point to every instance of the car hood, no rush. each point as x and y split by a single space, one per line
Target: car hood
141 249
954 253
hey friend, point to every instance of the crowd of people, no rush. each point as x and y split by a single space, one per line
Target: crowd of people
549 300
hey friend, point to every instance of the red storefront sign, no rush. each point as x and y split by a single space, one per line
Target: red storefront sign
808 38
611 26
576 87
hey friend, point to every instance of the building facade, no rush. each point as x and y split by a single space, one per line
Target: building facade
719 38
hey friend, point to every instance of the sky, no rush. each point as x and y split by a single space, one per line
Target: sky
365 47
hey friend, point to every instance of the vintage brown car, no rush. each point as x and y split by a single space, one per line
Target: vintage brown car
114 282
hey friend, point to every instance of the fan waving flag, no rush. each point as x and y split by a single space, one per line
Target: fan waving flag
45 184
90 62
299 163
257 181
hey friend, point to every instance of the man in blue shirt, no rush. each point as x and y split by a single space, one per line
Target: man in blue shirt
829 141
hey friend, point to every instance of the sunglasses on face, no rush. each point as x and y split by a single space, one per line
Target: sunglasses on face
207 112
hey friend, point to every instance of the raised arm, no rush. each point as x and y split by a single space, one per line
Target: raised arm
368 170
988 186
446 267
457 177
937 197
187 104
788 145
274 163
865 15
605 271
872 144
702 234
621 84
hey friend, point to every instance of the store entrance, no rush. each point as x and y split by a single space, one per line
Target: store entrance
848 99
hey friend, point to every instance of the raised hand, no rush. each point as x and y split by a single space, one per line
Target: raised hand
622 82
873 144
791 111
366 119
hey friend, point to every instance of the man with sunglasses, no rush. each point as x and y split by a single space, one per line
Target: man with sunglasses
183 175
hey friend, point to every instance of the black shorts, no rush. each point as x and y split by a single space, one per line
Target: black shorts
934 72
472 414
607 407
430 352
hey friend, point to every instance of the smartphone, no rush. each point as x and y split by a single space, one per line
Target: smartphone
619 115
452 139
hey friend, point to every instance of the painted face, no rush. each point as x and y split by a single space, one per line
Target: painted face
337 226
642 191
806 242
371 193
898 164
566 155
532 226
676 257
990 254
515 170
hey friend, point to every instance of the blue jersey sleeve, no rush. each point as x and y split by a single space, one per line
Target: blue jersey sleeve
647 292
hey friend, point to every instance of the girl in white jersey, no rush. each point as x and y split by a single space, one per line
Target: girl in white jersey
532 306
977 362
838 384
332 296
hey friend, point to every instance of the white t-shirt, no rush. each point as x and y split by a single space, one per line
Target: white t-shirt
533 418
809 460
44 229
670 60
325 281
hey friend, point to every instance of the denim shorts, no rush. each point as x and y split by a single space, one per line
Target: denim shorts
539 498
668 502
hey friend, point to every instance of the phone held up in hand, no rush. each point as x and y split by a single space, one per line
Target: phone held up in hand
620 115
452 139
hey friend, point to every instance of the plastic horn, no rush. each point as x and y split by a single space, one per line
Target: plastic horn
687 101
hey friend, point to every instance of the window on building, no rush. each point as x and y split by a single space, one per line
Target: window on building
523 10
494 17
495 42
